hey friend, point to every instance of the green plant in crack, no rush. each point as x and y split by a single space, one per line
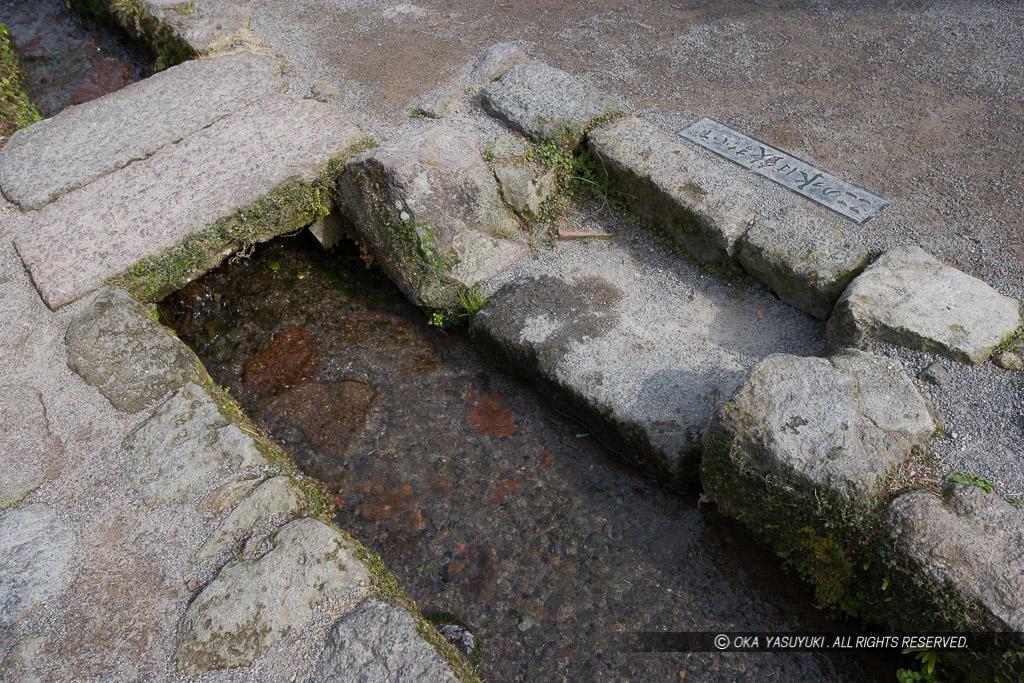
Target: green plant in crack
974 480
470 301
16 111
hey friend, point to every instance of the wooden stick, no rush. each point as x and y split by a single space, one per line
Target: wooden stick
575 234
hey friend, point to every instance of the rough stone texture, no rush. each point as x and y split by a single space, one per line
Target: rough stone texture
254 603
703 204
71 245
644 363
19 662
907 297
204 28
489 65
273 498
839 422
35 548
508 147
973 539
85 142
494 62
937 374
523 185
1008 361
29 453
806 260
129 357
549 105
427 198
226 496
378 643
185 447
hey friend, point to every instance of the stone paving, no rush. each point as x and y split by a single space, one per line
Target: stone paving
150 189
237 564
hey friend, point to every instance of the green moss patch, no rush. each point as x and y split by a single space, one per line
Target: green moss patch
16 111
844 550
284 210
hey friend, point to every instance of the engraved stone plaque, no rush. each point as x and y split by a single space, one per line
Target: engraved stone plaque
819 186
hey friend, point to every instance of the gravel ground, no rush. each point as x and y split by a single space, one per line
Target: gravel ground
919 102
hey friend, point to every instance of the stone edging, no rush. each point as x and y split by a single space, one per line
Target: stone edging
862 549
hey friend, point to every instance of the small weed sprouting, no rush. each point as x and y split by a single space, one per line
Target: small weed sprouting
1014 342
17 111
470 301
975 480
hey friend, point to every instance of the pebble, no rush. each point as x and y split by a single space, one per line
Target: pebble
1008 361
936 374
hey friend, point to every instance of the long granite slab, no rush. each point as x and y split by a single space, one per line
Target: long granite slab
82 143
73 244
641 352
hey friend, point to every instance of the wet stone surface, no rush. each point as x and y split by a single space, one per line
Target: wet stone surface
486 504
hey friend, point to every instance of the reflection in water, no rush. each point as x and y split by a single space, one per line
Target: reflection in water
484 502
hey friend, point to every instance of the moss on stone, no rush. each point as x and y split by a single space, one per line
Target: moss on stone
286 209
843 549
16 111
410 243
166 46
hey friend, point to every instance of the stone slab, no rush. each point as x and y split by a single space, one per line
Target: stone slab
548 104
71 245
703 205
840 422
186 447
806 260
130 358
845 198
35 549
970 538
908 298
428 206
643 357
204 26
379 642
82 143
30 453
254 603
273 498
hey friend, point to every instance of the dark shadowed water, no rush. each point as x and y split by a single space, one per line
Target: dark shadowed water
485 502
68 59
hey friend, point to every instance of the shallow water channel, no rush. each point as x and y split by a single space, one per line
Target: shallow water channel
485 502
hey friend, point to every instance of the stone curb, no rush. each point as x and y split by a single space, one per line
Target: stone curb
697 220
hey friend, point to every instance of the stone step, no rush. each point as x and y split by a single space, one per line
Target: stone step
640 353
73 244
82 143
